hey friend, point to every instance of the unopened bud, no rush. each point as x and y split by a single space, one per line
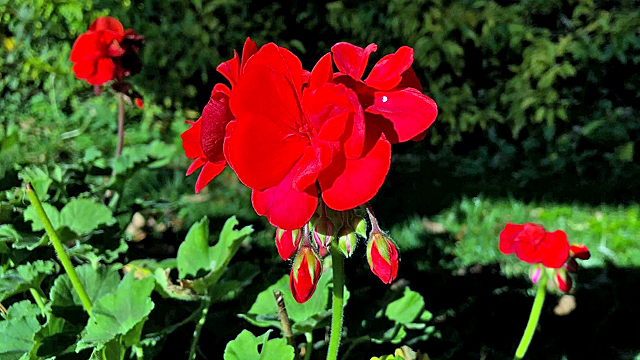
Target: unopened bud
579 251
571 265
287 242
562 280
347 240
382 255
535 272
323 232
305 273
360 225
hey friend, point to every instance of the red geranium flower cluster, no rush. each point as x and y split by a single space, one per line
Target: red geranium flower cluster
534 245
293 135
299 139
106 52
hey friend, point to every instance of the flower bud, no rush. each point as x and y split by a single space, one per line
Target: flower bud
323 231
571 265
347 240
360 226
562 280
535 272
287 242
305 273
382 255
579 251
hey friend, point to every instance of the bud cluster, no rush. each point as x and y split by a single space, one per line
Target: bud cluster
310 243
561 276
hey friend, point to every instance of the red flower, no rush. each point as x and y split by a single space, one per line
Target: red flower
204 141
391 95
305 273
532 244
287 242
382 255
289 140
106 51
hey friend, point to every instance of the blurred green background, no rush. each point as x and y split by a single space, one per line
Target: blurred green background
538 114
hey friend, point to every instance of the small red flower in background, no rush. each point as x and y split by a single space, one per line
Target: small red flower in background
205 139
534 245
106 52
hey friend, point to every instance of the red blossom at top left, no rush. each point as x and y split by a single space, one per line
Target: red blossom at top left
106 52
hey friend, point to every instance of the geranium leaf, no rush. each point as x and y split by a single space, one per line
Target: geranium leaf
119 312
406 309
306 317
39 179
25 277
99 282
36 225
85 215
195 254
18 330
245 347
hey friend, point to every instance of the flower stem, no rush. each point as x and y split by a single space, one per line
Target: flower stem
120 124
337 306
309 346
57 245
196 333
533 318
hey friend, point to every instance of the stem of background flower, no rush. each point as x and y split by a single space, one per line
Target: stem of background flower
198 330
533 318
120 97
284 318
337 306
57 245
308 349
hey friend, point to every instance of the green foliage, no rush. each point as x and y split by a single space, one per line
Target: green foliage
249 347
25 277
18 330
117 314
408 313
305 317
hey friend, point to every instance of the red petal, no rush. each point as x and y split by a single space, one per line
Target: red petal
507 238
104 72
410 112
387 73
248 50
227 134
322 73
215 116
529 239
230 69
409 79
114 49
106 23
281 61
328 109
304 275
86 47
84 68
580 251
556 249
284 206
191 141
350 59
264 145
197 164
209 171
348 183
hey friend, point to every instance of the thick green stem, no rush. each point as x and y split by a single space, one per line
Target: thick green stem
198 330
337 305
533 318
57 245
